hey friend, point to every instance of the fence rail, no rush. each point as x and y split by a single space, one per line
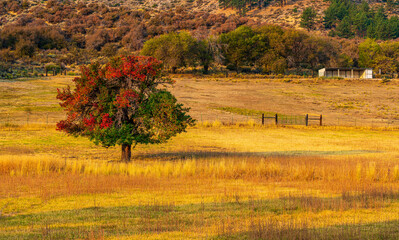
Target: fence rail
51 118
293 119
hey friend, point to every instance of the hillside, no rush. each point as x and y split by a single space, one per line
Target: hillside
41 36
288 15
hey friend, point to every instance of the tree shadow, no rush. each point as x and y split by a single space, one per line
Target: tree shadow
156 218
182 155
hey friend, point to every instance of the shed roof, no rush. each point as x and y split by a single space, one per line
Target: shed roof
346 69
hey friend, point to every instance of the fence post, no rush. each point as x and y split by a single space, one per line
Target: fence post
263 119
276 119
307 119
321 120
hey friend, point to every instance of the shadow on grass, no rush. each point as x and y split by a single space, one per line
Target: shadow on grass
155 218
219 154
387 230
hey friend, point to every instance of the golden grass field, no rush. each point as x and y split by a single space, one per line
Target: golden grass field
235 180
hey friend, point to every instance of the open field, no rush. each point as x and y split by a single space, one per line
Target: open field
342 102
216 181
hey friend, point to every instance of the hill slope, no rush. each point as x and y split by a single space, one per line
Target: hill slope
288 15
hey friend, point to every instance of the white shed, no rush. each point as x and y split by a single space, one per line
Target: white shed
366 73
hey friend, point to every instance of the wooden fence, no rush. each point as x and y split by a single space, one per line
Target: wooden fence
293 119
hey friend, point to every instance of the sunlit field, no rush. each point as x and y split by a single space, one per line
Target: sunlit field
238 180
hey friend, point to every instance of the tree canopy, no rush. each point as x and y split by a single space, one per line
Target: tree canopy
123 103
174 49
308 18
351 19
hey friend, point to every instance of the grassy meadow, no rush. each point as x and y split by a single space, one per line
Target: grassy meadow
235 180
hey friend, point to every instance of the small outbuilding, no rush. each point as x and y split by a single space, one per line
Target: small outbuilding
346 72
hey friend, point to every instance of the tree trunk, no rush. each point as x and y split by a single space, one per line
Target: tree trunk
126 152
206 68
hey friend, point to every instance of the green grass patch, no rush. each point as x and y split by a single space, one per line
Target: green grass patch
244 111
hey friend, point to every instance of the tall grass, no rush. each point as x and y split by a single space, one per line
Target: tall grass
354 169
215 182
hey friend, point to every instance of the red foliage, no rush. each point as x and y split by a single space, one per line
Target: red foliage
124 98
90 122
106 121
134 67
105 96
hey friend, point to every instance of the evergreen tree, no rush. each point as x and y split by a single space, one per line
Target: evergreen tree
360 23
308 18
337 10
329 15
394 27
344 28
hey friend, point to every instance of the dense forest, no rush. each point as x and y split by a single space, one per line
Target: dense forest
348 19
56 35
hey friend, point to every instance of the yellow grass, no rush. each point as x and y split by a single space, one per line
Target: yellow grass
270 168
241 180
219 180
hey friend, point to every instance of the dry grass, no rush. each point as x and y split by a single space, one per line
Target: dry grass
220 180
241 181
275 169
341 101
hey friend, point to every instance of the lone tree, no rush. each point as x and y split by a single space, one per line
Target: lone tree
123 103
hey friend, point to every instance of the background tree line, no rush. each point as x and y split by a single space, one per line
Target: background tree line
68 33
268 49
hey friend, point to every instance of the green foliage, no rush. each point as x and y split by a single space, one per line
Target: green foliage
344 28
383 56
275 50
352 19
52 67
163 117
368 50
173 49
15 71
308 18
243 46
337 10
204 54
